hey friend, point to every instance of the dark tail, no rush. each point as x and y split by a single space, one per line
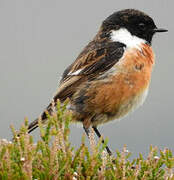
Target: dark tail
33 125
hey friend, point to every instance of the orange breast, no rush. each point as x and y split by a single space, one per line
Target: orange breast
118 94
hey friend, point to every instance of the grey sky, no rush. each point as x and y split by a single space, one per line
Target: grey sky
40 38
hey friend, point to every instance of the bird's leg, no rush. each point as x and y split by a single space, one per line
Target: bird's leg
86 131
99 135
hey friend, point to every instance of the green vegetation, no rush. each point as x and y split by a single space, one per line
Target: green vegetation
53 157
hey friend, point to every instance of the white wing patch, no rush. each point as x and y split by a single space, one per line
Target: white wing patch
75 73
124 36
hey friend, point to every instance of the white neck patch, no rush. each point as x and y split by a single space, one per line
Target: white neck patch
124 36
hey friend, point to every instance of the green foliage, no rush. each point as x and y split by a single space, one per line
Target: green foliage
53 158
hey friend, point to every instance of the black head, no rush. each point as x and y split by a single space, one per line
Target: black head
136 22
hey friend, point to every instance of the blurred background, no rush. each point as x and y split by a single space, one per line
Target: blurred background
40 38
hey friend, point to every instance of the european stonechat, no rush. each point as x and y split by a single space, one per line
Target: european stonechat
111 76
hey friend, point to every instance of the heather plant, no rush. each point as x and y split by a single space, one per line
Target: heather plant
53 157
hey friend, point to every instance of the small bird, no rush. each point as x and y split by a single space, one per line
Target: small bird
111 76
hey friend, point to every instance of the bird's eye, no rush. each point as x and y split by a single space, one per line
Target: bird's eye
141 25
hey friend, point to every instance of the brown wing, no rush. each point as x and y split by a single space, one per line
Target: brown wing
88 65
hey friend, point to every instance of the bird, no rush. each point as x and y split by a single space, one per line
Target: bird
110 78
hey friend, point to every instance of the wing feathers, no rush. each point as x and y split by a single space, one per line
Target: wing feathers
93 60
90 65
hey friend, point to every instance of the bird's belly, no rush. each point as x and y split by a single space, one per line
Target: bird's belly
126 93
129 106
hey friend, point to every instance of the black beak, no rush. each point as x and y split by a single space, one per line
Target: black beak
159 30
